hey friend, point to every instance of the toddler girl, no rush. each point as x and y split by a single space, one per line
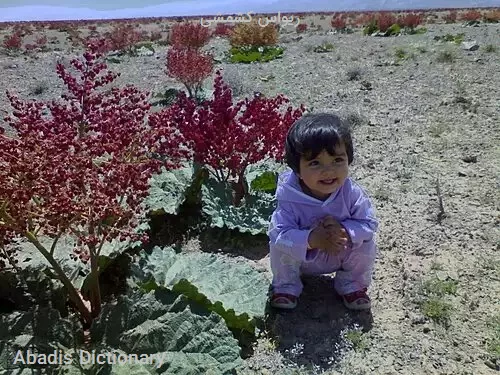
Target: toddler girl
324 221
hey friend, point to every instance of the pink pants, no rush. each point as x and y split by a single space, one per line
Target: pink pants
353 267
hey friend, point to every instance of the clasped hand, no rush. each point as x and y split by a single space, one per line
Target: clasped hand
329 235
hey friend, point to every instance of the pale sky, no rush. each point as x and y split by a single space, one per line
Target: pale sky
31 10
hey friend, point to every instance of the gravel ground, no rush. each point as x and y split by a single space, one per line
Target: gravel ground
418 120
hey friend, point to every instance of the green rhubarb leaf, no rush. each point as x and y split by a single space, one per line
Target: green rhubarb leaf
184 337
263 176
168 190
235 291
39 331
252 215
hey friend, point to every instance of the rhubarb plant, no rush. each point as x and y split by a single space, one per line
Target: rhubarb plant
79 167
226 138
236 292
170 333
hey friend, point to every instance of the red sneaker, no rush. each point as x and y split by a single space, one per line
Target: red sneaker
357 300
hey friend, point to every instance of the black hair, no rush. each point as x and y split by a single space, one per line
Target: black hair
313 133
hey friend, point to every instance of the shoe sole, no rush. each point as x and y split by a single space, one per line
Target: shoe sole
354 306
285 306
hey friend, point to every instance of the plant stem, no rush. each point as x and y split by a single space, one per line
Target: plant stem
73 294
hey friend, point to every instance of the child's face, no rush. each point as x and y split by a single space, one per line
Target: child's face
326 173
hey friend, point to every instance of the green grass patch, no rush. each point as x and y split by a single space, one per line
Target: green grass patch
435 304
441 288
493 342
357 339
248 55
438 310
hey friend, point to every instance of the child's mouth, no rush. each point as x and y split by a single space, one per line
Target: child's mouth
328 182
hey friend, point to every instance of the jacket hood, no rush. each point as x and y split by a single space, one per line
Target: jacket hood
289 190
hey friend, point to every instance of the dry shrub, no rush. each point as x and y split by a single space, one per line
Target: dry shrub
471 15
451 17
252 34
492 16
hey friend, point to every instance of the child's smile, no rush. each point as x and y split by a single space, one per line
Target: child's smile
324 174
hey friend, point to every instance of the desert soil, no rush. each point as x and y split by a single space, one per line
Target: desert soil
433 115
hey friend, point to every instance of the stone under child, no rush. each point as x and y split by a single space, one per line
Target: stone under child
324 221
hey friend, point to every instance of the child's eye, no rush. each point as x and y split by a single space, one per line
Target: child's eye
313 163
339 160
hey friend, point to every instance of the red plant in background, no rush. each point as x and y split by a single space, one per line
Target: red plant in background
13 42
81 170
189 67
190 36
226 140
410 20
471 15
223 29
385 20
122 37
301 28
338 23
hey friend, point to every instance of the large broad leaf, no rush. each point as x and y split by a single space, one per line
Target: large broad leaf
40 331
168 190
184 338
263 176
235 291
252 216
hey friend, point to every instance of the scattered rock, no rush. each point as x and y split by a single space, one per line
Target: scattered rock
144 51
470 159
418 319
470 46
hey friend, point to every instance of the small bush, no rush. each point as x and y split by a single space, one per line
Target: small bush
252 34
393 30
223 30
446 57
325 47
370 28
354 74
401 53
338 23
492 16
410 20
471 15
493 342
441 288
40 88
490 48
188 35
451 17
385 21
434 305
437 310
301 28
13 42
